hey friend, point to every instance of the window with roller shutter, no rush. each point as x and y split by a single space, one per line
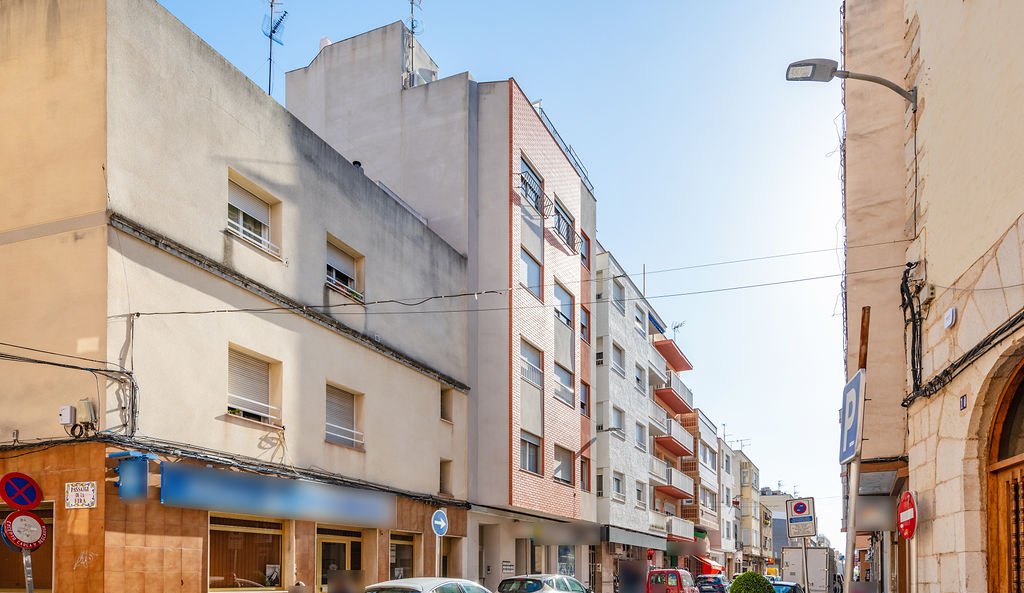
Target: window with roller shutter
249 388
343 272
249 218
340 426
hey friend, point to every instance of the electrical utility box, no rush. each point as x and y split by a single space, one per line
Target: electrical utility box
66 415
821 568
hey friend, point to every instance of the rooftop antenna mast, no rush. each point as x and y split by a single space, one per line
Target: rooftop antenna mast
414 28
675 329
273 27
740 443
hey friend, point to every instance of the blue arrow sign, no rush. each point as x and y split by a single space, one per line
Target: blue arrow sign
850 418
439 522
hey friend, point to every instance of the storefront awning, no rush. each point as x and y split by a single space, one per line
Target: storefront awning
617 535
709 565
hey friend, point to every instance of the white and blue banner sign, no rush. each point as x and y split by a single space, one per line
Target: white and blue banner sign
193 487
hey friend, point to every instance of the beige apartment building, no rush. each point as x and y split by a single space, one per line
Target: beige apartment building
490 174
195 272
941 187
751 538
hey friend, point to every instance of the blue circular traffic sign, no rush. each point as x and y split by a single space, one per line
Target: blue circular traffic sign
20 491
439 522
800 508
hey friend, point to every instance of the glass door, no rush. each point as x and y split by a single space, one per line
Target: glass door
339 558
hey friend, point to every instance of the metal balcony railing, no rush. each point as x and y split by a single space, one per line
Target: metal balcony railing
681 528
532 373
260 241
676 384
658 521
680 434
679 480
657 362
659 418
658 469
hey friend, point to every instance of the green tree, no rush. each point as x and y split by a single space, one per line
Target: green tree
751 582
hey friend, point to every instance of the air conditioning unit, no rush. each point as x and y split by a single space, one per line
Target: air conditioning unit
687 501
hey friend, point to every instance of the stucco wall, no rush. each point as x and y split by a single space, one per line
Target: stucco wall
52 238
416 140
876 213
169 169
617 453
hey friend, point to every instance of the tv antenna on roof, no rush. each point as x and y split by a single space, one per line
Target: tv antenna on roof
675 328
273 27
740 443
414 28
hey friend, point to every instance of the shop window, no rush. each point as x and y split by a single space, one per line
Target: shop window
245 553
12 573
567 560
402 555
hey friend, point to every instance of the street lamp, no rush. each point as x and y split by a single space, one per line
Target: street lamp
824 70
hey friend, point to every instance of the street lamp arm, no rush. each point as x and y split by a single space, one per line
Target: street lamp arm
910 95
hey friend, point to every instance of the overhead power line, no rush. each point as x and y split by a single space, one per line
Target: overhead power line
325 308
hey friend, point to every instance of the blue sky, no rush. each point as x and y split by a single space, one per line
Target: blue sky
699 151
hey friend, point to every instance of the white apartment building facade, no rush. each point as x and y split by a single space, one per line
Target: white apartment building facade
639 442
490 174
729 554
197 272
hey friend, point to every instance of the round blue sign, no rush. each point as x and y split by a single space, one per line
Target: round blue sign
439 522
800 508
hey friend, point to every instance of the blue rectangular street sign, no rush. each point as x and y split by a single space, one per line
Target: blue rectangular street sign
850 418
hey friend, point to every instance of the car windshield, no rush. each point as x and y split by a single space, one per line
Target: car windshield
705 578
520 586
784 588
390 590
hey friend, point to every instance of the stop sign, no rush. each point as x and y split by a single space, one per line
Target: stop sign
906 515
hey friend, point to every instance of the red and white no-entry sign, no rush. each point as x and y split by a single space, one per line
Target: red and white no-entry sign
906 515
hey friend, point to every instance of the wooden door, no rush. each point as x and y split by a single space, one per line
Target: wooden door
1006 527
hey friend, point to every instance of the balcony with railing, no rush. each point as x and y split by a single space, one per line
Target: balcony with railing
677 484
676 439
659 419
659 521
656 362
658 468
678 529
675 394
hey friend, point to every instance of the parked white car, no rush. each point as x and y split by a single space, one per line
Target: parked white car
427 585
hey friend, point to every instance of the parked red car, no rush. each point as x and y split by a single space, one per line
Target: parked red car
670 580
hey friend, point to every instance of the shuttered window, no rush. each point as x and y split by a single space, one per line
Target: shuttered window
249 387
246 202
340 427
564 465
249 218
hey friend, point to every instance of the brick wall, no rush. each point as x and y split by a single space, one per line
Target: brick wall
562 425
